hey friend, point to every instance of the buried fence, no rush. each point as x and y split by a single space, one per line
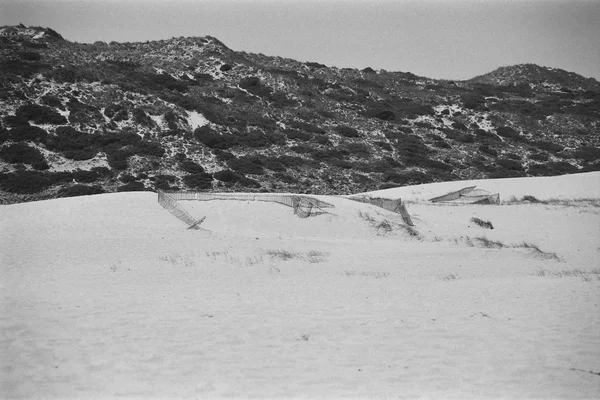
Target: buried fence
304 206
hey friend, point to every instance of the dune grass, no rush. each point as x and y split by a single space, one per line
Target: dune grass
482 223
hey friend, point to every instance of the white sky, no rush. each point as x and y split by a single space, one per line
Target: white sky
435 38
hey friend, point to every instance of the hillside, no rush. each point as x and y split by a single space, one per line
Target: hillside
190 113
110 296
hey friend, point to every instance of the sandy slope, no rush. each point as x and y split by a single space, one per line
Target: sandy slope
110 296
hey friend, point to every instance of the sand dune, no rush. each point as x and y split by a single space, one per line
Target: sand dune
110 296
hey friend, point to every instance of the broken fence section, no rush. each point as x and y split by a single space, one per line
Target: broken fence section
304 206
393 205
469 195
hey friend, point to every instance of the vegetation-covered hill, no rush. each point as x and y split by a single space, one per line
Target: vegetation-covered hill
190 113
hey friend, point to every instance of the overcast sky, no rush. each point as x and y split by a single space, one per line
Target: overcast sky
449 39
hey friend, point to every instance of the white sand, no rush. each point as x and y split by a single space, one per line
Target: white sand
110 296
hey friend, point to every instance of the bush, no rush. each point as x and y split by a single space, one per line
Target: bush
85 176
191 167
226 176
297 135
198 181
132 187
80 190
539 156
357 149
40 114
246 165
588 153
52 101
347 131
253 85
510 165
548 146
459 125
12 121
383 145
488 150
507 132
28 133
551 169
206 135
24 182
21 153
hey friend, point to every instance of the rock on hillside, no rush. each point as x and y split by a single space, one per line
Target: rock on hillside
190 113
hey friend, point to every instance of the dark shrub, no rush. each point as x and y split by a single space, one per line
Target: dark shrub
305 126
591 167
24 182
28 133
30 56
347 131
80 155
247 182
297 135
513 156
191 167
257 139
132 187
488 150
285 178
73 144
548 146
324 140
510 165
224 156
118 160
21 153
301 149
292 161
40 114
140 117
539 156
274 164
357 149
383 145
80 190
52 101
165 81
507 132
474 102
551 168
226 176
406 178
225 67
588 153
85 176
246 165
483 135
153 149
384 115
206 135
126 178
13 121
430 164
459 125
198 181
253 85
112 109
412 147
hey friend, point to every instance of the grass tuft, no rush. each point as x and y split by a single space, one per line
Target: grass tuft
482 223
